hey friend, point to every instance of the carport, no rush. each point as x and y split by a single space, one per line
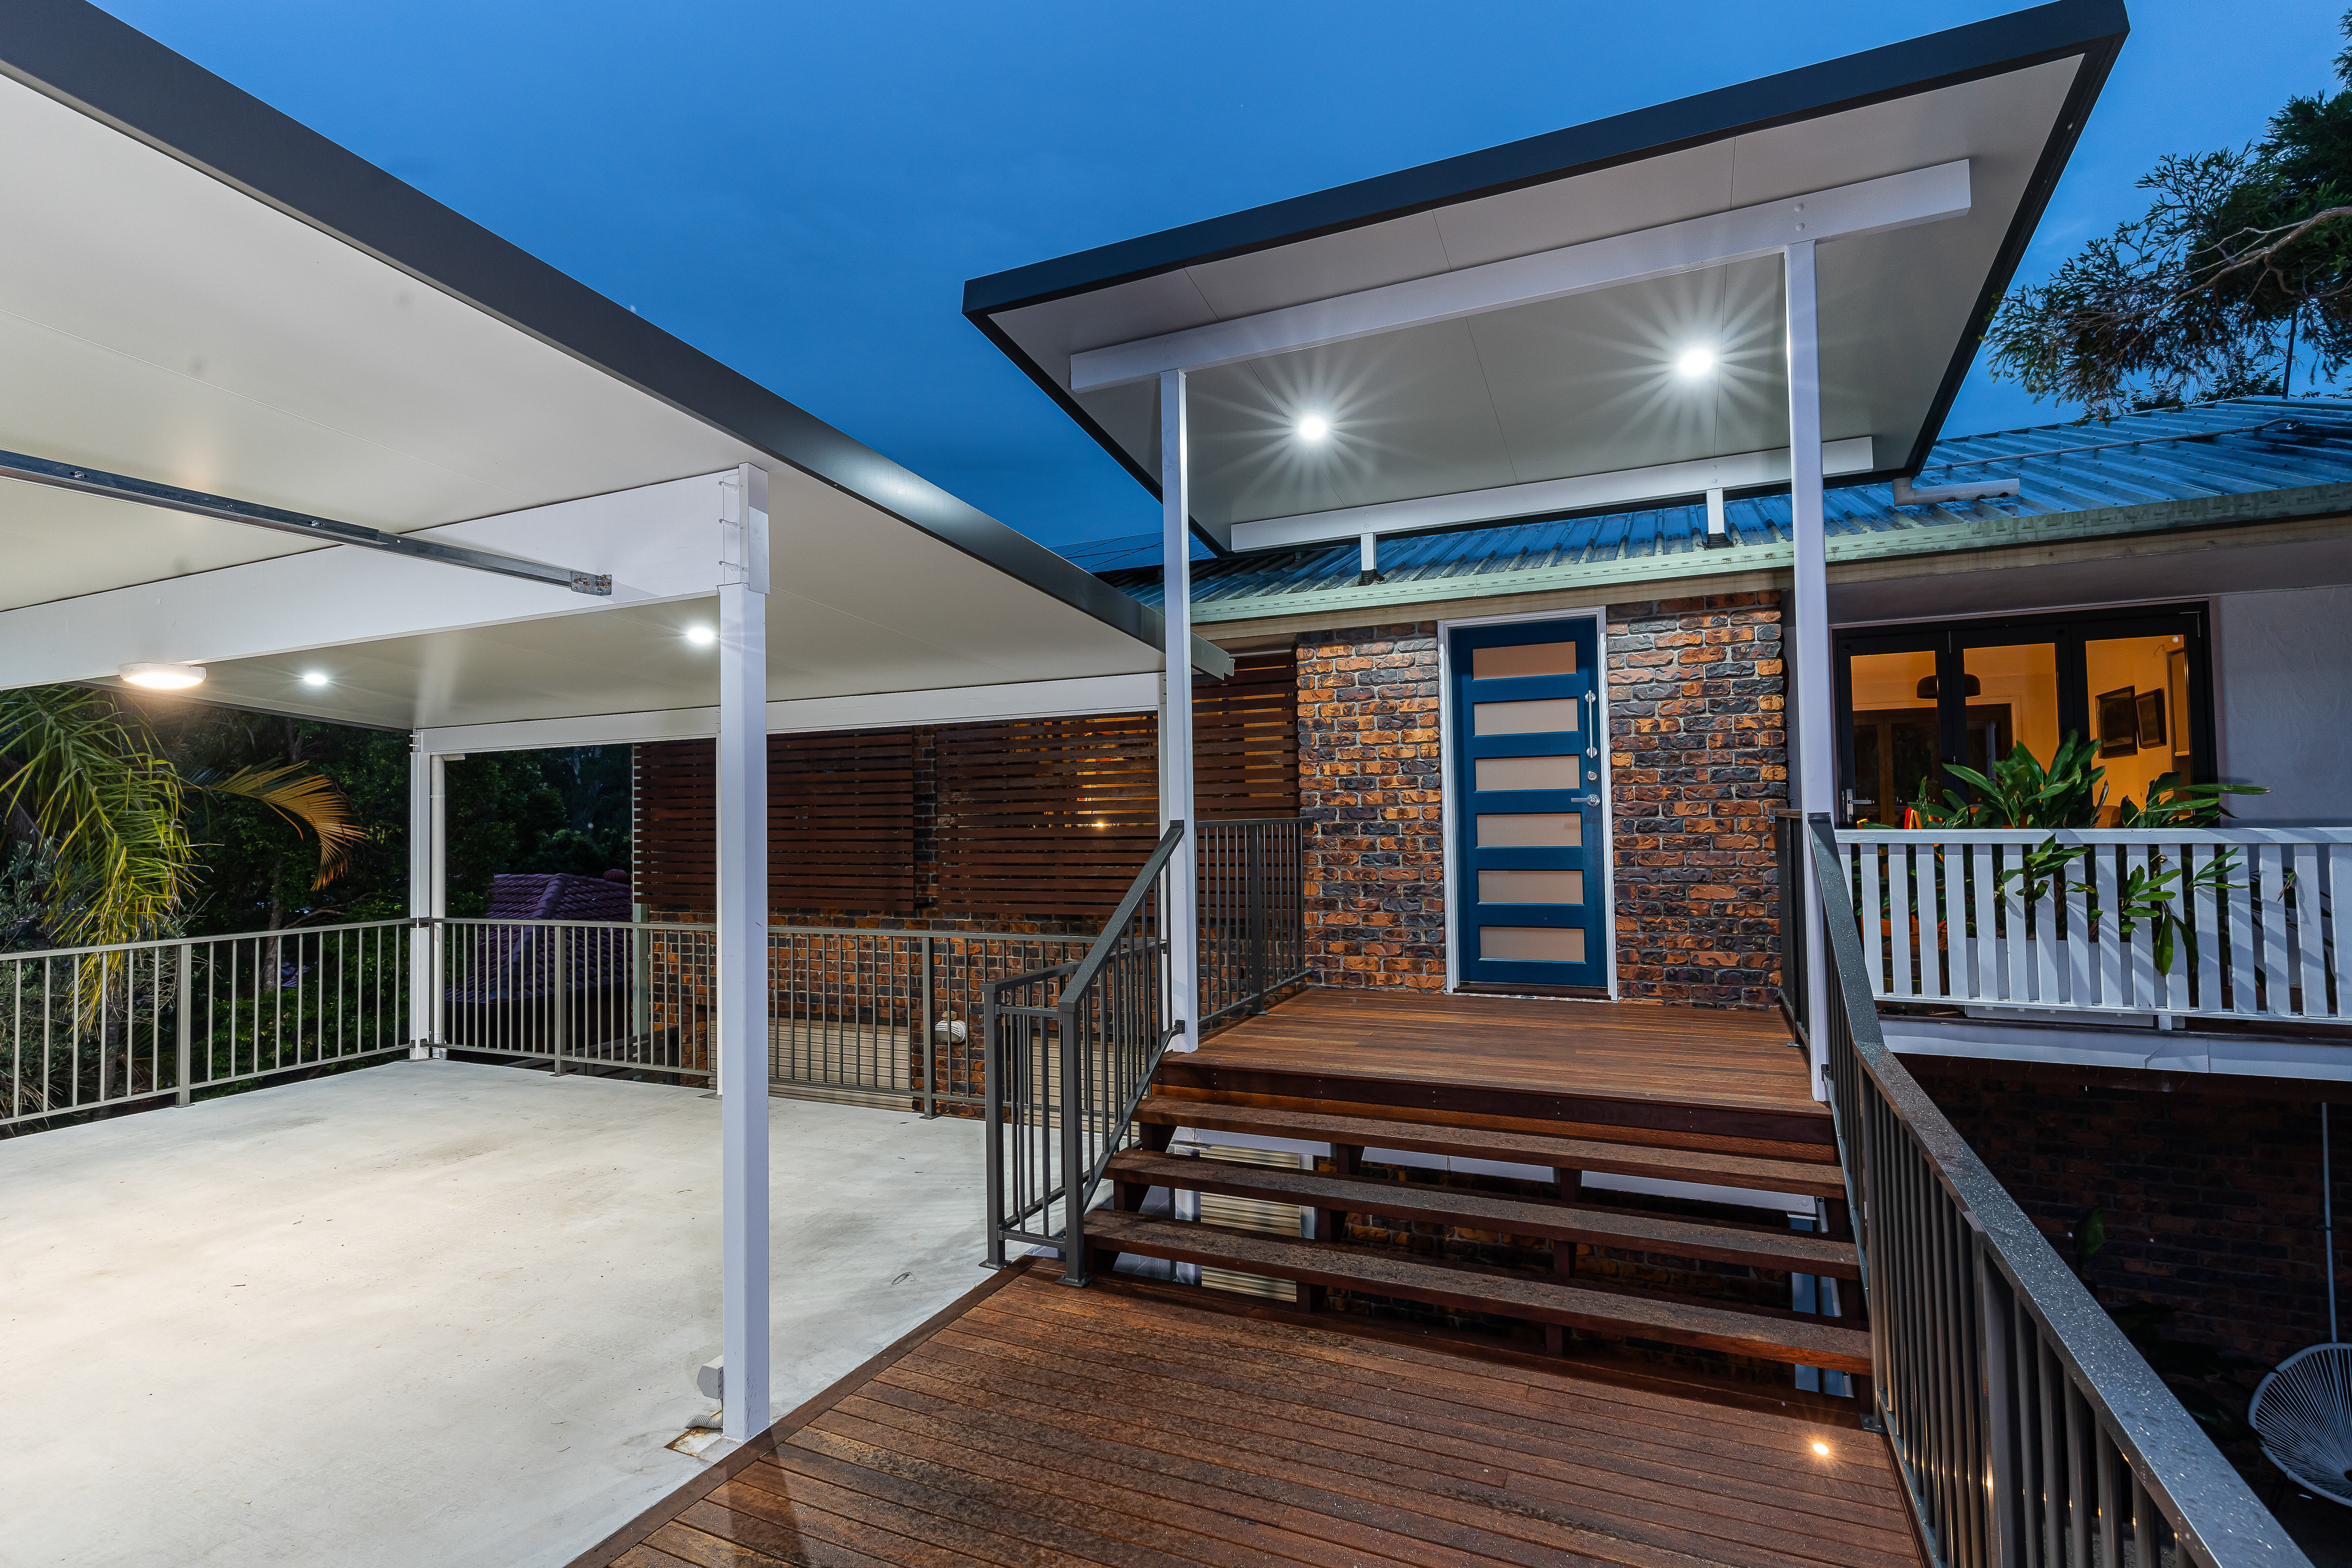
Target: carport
289 433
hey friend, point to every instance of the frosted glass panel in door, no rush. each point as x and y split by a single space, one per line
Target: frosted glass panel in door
1521 659
1534 717
1529 772
1531 887
1532 945
1530 830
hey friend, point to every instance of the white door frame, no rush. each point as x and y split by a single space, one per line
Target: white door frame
1599 615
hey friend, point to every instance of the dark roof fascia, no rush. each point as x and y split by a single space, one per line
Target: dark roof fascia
2094 29
91 62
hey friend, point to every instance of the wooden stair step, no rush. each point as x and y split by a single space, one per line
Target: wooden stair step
1795 1251
1745 1171
1794 1337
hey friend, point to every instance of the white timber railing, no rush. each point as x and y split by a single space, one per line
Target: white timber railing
1968 918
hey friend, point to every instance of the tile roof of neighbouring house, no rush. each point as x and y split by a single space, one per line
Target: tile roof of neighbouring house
2172 468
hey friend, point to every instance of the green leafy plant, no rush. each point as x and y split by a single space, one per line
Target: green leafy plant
2067 794
86 786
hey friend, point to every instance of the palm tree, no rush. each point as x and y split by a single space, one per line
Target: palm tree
86 786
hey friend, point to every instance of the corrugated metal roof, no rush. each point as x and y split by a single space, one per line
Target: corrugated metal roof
2242 446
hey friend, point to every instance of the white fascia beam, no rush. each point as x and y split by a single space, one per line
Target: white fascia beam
1080 697
658 542
1870 207
1577 494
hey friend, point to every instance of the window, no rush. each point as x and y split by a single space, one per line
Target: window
1911 701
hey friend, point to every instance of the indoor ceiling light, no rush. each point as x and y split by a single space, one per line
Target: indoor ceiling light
314 677
1695 362
1314 427
701 637
164 677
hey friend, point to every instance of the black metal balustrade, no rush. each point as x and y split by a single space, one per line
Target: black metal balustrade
1252 914
1071 1051
2029 1433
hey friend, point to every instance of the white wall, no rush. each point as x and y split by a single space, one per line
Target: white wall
2282 669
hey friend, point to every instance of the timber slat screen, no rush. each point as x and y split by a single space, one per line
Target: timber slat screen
1013 821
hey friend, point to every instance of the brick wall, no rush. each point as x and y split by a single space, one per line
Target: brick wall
1696 767
1698 763
1369 770
2211 1202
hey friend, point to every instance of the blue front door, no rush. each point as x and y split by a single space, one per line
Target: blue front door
1529 857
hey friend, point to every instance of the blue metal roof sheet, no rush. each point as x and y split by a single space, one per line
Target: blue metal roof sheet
2240 446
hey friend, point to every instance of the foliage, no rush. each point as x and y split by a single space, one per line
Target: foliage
508 811
2243 254
79 779
2068 794
126 816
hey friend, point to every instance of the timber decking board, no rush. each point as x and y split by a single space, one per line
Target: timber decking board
1715 1058
1808 1178
1036 1426
1759 1246
1796 1338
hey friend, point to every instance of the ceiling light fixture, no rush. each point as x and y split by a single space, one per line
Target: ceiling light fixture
701 637
1695 362
1314 427
163 677
314 677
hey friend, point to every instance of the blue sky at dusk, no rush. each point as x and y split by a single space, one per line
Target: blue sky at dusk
801 191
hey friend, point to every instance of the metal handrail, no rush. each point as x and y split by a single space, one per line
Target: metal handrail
1055 1116
1253 910
2029 1432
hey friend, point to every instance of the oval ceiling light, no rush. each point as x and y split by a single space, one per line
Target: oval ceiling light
701 637
1314 427
1695 362
314 677
163 677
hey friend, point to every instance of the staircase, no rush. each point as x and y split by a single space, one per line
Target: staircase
1698 1277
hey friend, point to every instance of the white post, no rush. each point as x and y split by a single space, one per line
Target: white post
742 1075
1176 709
428 892
1805 633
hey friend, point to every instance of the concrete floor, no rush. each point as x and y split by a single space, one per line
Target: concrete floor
430 1312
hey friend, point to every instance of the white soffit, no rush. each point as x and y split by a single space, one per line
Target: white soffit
1739 470
175 308
406 644
1580 384
158 322
1584 383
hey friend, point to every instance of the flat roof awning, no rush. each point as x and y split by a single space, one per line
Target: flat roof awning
197 292
1505 334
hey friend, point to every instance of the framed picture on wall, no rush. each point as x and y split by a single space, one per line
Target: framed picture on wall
2117 715
2151 720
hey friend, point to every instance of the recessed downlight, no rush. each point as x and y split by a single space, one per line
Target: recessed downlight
701 637
163 677
1694 362
1314 427
314 677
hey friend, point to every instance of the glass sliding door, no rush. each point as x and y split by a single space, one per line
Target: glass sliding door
1911 702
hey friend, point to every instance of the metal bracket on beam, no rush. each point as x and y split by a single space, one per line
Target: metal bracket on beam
326 531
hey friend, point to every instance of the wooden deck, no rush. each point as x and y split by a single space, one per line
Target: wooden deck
1120 1424
1727 1077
